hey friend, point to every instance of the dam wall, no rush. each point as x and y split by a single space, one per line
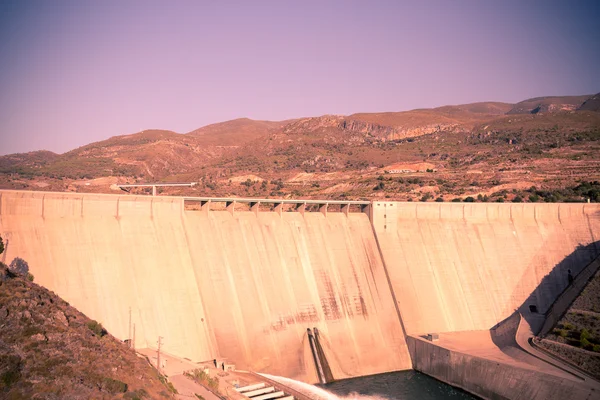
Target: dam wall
246 285
461 267
239 285
106 254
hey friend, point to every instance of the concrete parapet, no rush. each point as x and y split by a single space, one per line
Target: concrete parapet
504 333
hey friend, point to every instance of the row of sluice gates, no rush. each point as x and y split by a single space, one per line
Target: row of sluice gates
245 286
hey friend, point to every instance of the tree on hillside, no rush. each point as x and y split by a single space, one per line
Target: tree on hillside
19 266
1 245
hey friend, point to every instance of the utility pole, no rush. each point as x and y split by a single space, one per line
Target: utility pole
133 342
160 338
129 327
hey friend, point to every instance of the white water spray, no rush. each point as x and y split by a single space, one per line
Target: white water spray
317 393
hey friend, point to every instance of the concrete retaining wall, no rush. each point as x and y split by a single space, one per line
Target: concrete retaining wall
490 379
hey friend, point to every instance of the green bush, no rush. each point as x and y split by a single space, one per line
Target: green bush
585 334
205 379
596 348
560 332
11 373
136 394
97 328
379 186
584 343
114 386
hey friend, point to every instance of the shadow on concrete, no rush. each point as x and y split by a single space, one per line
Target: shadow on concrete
533 310
539 302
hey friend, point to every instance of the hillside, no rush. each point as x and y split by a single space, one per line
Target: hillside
484 151
591 104
236 131
576 337
548 104
50 350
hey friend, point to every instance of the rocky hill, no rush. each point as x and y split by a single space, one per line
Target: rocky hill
591 104
49 350
494 151
548 104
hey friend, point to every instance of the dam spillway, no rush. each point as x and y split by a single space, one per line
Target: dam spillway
246 285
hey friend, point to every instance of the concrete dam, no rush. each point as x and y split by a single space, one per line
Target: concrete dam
244 283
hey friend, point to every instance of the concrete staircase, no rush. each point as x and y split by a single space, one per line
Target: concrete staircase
261 391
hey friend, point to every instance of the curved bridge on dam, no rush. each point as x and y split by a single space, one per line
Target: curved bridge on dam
243 279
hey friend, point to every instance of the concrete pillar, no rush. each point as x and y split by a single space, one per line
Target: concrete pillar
153 190
254 205
278 208
301 207
230 206
323 209
205 205
346 209
367 209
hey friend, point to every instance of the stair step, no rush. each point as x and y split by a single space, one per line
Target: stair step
251 387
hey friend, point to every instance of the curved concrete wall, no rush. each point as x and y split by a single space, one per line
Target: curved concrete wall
242 286
458 267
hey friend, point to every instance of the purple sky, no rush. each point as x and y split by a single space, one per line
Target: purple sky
75 72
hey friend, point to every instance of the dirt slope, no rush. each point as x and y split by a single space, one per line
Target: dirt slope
49 350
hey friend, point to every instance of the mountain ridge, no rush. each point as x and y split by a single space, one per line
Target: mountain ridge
488 138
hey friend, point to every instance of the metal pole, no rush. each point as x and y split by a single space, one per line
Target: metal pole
158 354
129 327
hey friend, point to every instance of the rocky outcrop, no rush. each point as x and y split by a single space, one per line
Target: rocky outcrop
591 104
355 128
366 128
548 105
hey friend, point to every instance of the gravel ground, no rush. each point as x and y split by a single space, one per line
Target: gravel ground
584 359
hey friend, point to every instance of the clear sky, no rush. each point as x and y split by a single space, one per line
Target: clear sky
75 72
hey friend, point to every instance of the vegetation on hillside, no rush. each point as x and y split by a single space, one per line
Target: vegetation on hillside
50 350
475 152
576 337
